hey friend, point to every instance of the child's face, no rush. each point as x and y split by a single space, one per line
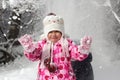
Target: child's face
54 36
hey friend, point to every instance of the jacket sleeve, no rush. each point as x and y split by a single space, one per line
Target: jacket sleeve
75 53
33 52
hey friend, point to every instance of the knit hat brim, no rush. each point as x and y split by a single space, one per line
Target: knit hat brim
53 27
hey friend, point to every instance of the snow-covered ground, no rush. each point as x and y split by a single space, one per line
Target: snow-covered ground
21 69
97 18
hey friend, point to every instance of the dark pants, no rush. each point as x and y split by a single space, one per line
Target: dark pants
83 70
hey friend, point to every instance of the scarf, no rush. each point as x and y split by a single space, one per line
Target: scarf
48 51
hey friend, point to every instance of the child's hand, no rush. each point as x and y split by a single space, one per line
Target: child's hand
86 42
25 40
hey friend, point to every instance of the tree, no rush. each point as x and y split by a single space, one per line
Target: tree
16 21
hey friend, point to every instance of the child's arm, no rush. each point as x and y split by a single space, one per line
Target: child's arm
31 50
80 52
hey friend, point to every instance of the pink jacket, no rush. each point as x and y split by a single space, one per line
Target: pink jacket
63 63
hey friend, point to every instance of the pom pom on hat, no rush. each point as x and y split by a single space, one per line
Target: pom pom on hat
52 22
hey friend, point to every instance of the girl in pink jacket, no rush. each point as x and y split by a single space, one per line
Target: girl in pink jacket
55 51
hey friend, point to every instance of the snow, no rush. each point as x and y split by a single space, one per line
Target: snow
88 17
3 4
21 69
14 17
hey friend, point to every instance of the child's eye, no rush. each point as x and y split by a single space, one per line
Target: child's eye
50 32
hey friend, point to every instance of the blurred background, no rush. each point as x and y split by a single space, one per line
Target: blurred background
99 19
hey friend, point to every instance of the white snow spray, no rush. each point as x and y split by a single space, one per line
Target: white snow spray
96 18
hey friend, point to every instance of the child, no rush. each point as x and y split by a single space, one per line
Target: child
55 51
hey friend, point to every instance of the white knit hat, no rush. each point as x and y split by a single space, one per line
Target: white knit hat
53 22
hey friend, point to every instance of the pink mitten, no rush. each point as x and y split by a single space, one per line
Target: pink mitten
27 42
85 44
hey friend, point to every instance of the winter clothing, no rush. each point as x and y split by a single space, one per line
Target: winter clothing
53 22
61 54
55 58
83 70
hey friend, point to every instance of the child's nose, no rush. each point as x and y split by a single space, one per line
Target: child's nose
53 33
